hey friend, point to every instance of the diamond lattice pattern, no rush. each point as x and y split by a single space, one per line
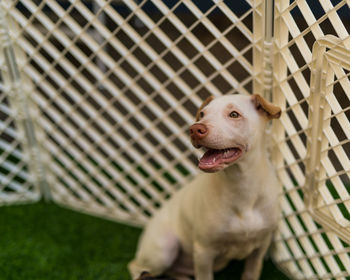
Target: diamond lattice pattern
16 181
305 248
117 85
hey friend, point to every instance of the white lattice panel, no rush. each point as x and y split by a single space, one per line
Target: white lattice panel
328 166
17 183
117 85
307 249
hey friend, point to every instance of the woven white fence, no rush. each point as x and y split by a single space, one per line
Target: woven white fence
106 91
17 180
311 153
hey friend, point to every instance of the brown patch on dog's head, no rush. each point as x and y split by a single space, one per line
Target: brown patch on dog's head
205 103
270 110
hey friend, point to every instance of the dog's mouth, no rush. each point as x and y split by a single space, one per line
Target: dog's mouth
215 159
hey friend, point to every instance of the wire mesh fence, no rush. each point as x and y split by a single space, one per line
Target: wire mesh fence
115 85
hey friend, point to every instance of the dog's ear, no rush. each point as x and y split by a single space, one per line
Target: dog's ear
268 109
205 103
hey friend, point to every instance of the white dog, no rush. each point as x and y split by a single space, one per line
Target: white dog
228 213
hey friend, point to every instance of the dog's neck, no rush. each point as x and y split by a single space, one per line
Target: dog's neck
251 163
250 170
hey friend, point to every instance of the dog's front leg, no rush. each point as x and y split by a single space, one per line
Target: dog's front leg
253 263
203 258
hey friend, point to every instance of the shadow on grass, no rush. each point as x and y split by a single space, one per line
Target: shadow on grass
44 241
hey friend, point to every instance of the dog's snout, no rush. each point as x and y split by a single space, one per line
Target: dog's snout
198 131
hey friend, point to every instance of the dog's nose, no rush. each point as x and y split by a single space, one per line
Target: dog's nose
198 131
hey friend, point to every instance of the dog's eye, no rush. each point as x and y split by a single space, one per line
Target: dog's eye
234 115
201 114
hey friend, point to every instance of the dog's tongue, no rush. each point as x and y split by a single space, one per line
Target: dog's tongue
212 157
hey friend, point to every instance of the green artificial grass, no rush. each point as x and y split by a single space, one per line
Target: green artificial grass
45 241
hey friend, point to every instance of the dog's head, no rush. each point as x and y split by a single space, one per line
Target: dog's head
230 126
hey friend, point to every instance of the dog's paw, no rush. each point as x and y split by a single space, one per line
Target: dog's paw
147 276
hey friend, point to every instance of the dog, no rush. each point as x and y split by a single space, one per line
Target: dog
228 212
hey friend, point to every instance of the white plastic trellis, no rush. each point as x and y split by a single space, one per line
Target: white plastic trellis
118 84
115 85
311 150
17 148
326 180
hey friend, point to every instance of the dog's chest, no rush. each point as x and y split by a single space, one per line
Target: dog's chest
247 223
240 228
241 234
